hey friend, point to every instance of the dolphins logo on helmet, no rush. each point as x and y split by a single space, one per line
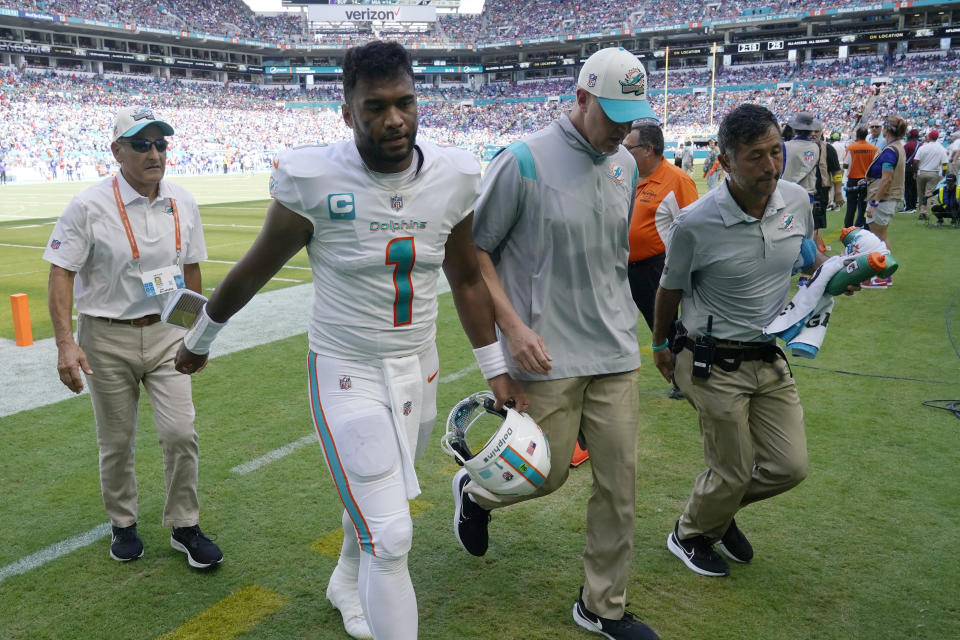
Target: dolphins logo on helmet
515 461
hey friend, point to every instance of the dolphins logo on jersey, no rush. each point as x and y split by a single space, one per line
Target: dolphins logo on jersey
786 222
634 82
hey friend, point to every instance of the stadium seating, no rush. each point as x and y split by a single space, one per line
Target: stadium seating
52 125
501 20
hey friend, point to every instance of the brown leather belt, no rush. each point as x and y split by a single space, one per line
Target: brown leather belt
145 321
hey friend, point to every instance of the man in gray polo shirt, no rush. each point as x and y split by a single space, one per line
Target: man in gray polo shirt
730 263
551 232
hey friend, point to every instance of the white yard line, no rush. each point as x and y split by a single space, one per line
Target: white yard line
54 551
286 266
276 454
20 246
456 375
32 226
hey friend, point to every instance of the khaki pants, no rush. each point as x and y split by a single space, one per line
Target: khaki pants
926 182
605 409
754 443
122 357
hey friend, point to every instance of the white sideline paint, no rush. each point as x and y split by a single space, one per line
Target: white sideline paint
32 371
29 376
54 551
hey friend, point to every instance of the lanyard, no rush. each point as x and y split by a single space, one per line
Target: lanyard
126 222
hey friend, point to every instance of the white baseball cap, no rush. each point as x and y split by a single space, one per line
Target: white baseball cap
619 81
130 120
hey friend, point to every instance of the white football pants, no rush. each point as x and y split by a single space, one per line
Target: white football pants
351 412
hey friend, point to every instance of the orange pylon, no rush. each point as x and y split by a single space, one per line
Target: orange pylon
21 320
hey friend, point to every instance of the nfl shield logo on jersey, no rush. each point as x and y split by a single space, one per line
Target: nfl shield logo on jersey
407 407
345 383
396 202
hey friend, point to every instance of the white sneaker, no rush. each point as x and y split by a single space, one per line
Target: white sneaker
342 594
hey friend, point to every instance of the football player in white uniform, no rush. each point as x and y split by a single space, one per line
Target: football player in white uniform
379 216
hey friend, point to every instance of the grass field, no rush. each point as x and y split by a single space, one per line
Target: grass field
863 549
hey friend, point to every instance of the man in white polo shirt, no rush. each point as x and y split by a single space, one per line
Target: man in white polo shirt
730 261
929 161
119 250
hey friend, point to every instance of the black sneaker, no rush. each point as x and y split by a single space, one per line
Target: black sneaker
626 628
675 393
698 554
735 545
201 552
125 544
470 520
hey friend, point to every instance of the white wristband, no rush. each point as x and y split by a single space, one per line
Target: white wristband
491 360
201 334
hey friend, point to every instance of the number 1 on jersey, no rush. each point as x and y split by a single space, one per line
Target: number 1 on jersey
402 253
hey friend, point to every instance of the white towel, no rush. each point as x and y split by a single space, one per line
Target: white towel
806 343
794 316
865 241
405 385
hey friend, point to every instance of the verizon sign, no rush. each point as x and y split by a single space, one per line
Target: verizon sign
371 13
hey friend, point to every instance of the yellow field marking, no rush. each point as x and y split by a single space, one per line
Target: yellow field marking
239 612
329 544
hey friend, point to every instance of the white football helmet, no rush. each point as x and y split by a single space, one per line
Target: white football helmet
516 458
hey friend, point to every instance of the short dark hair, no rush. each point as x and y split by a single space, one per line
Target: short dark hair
376 59
649 135
743 125
861 133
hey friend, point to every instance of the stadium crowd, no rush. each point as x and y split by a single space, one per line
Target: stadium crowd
228 18
500 20
51 124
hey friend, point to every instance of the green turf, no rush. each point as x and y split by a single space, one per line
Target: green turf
863 549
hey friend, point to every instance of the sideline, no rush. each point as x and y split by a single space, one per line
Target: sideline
270 316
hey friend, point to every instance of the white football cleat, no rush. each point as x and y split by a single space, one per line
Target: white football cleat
342 594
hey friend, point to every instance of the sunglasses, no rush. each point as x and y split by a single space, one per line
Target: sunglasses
142 145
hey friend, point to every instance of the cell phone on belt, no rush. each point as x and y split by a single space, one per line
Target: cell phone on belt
704 349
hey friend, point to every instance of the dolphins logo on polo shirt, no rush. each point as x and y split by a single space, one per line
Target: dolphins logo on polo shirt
615 172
